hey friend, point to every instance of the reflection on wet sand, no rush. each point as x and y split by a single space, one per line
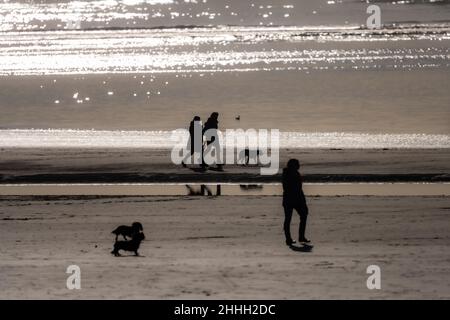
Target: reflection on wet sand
196 189
204 190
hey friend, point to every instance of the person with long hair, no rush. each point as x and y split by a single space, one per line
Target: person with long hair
294 198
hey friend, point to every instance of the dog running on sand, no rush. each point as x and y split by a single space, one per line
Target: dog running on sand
127 231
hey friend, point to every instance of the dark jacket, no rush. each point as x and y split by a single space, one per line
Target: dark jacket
210 124
292 188
191 143
191 129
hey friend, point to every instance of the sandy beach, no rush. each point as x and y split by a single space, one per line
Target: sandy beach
233 251
94 97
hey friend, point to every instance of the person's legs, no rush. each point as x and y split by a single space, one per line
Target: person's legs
247 156
213 147
303 213
302 227
188 157
205 149
197 152
186 160
287 223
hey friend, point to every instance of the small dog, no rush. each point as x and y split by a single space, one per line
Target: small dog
125 231
132 245
249 154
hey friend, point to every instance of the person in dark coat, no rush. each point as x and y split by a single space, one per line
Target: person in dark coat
294 198
193 144
212 124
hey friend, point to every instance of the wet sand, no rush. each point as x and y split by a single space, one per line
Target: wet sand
234 251
152 165
228 189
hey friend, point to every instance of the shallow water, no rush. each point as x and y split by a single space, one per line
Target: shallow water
168 139
224 49
67 14
315 70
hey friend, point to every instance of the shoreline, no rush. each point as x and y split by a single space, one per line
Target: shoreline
226 189
215 178
140 165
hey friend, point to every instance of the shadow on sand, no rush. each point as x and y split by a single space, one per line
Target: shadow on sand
302 248
129 256
200 169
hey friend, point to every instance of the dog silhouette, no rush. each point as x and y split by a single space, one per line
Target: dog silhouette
132 245
127 231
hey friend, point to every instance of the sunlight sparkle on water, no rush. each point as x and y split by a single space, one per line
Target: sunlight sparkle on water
218 50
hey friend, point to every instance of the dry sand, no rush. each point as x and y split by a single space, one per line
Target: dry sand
225 247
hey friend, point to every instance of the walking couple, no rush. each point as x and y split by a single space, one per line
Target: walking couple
201 140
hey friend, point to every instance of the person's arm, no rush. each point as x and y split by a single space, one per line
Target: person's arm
284 180
299 181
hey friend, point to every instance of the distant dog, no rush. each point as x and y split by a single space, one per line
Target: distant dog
132 245
127 231
247 155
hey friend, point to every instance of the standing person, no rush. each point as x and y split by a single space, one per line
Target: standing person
294 198
210 131
195 143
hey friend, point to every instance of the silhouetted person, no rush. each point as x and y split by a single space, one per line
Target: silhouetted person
294 198
212 124
195 146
